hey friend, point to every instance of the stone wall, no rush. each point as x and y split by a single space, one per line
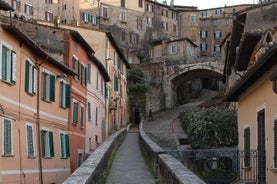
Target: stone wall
167 170
94 169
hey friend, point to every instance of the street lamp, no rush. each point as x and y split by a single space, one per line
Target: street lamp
214 163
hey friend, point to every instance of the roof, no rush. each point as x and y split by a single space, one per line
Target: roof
264 63
101 68
35 48
160 41
116 47
76 35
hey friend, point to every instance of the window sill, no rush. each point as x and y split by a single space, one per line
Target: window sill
63 158
7 155
31 157
8 82
247 168
273 170
48 157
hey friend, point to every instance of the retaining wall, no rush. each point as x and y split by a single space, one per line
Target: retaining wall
94 169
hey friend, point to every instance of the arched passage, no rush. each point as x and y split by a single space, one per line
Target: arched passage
190 78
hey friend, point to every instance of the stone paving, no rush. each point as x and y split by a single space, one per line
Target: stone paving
128 166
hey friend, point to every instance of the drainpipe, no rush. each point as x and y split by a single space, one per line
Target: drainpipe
38 126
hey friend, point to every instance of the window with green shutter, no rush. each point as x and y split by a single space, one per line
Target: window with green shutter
118 63
8 65
47 144
275 144
75 112
30 78
89 111
65 95
89 73
106 92
48 87
82 116
115 83
247 147
30 141
7 137
64 142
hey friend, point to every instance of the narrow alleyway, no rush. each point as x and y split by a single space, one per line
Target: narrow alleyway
128 166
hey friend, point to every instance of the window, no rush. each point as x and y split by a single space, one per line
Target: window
234 10
247 147
217 48
193 32
28 9
64 143
218 11
164 12
86 17
174 28
115 83
76 67
133 38
80 159
139 23
203 22
30 140
48 1
75 112
159 52
105 12
150 53
214 22
217 34
192 19
275 144
203 34
204 47
89 111
140 3
123 16
30 77
174 15
172 49
204 14
94 19
83 75
47 146
149 22
89 73
123 35
65 95
8 64
7 140
165 25
96 116
48 87
149 8
122 3
228 21
16 4
82 116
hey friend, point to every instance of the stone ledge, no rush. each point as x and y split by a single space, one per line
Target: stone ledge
93 169
173 171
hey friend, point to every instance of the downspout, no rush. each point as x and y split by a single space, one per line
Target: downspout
38 123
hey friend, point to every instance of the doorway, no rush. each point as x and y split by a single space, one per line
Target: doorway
261 148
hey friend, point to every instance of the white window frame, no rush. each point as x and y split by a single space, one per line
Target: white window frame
203 47
217 34
94 19
75 102
123 16
3 133
63 150
32 78
203 34
82 115
29 9
107 8
172 49
46 90
149 21
85 17
10 62
33 140
63 94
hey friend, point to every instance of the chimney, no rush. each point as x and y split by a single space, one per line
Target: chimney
172 3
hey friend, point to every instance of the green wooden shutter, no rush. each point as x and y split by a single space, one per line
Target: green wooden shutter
85 76
247 147
67 95
4 63
62 145
67 146
13 67
34 79
52 88
75 113
7 137
275 144
115 83
89 111
27 74
42 134
82 117
89 73
51 144
106 92
79 70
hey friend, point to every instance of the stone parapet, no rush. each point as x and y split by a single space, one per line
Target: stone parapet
173 171
94 169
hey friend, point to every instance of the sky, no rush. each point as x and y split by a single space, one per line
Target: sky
205 4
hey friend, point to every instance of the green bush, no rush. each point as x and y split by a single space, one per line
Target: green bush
210 127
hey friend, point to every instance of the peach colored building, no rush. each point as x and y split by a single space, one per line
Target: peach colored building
34 112
251 74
